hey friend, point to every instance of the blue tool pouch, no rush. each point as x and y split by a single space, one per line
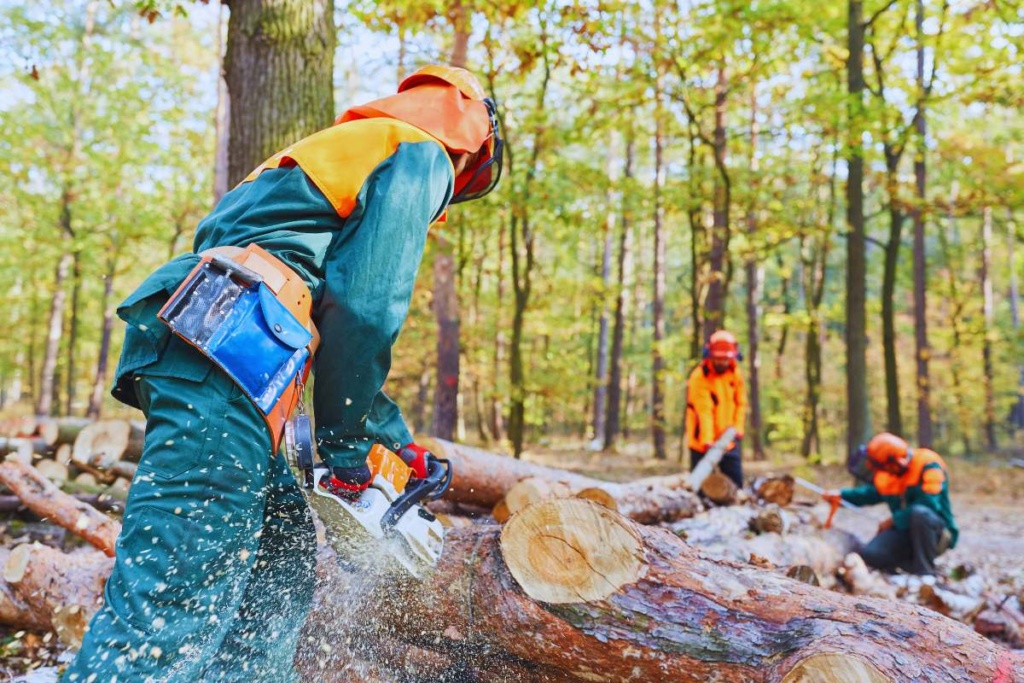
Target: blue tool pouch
228 313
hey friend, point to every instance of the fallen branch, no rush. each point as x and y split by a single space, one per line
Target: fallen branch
49 502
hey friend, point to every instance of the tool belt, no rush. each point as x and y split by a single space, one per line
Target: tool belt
249 313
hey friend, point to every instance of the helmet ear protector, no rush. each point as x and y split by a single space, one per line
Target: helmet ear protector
485 177
706 351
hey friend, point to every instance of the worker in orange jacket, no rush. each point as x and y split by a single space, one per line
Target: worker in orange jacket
716 399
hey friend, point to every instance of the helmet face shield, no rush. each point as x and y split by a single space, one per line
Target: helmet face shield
486 175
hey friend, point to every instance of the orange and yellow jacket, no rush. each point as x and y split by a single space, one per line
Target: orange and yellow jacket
926 482
714 402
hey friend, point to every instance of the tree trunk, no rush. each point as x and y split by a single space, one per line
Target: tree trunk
483 479
924 413
572 585
956 322
99 386
894 421
222 115
611 433
985 277
714 306
601 362
658 293
47 379
446 298
755 279
72 343
279 73
856 257
1017 412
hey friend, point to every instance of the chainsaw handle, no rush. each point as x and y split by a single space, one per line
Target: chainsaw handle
431 487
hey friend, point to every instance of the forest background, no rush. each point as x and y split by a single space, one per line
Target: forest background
839 184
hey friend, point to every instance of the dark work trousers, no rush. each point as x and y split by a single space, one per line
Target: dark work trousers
913 550
731 463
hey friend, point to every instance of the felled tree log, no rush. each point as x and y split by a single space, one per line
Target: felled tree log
777 490
46 589
46 500
719 489
482 478
61 431
572 585
105 442
24 447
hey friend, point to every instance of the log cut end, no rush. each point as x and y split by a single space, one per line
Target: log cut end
719 489
571 550
599 496
835 668
533 490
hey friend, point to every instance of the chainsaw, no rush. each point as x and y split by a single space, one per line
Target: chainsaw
384 524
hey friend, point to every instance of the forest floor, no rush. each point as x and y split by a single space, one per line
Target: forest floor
987 498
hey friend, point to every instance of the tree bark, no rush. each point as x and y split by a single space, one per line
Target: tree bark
42 497
44 589
625 262
446 298
482 478
988 308
658 425
47 379
600 406
755 280
279 73
924 411
99 385
714 305
856 257
572 585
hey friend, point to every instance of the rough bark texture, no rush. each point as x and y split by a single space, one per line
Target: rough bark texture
278 68
483 478
685 618
42 497
856 253
45 589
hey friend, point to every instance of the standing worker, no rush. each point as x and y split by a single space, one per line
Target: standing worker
214 567
716 399
915 484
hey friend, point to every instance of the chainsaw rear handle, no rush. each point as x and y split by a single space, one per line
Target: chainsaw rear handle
431 487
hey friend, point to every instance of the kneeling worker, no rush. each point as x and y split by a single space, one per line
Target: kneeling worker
915 484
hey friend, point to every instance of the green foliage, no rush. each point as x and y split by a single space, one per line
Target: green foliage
575 81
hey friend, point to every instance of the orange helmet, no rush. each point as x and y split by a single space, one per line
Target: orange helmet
722 346
887 451
448 103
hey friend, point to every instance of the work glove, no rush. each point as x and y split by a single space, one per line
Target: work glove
833 497
347 482
415 456
885 525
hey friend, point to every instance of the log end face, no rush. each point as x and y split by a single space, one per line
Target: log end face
572 550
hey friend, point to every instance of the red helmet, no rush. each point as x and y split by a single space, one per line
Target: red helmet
722 346
887 451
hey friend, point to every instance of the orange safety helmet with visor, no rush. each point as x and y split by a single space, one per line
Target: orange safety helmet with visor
448 103
722 346
889 453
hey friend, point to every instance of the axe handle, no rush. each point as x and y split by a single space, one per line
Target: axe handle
711 458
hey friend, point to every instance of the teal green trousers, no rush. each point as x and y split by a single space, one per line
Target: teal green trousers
215 563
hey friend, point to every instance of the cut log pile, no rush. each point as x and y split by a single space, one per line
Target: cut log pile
549 575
